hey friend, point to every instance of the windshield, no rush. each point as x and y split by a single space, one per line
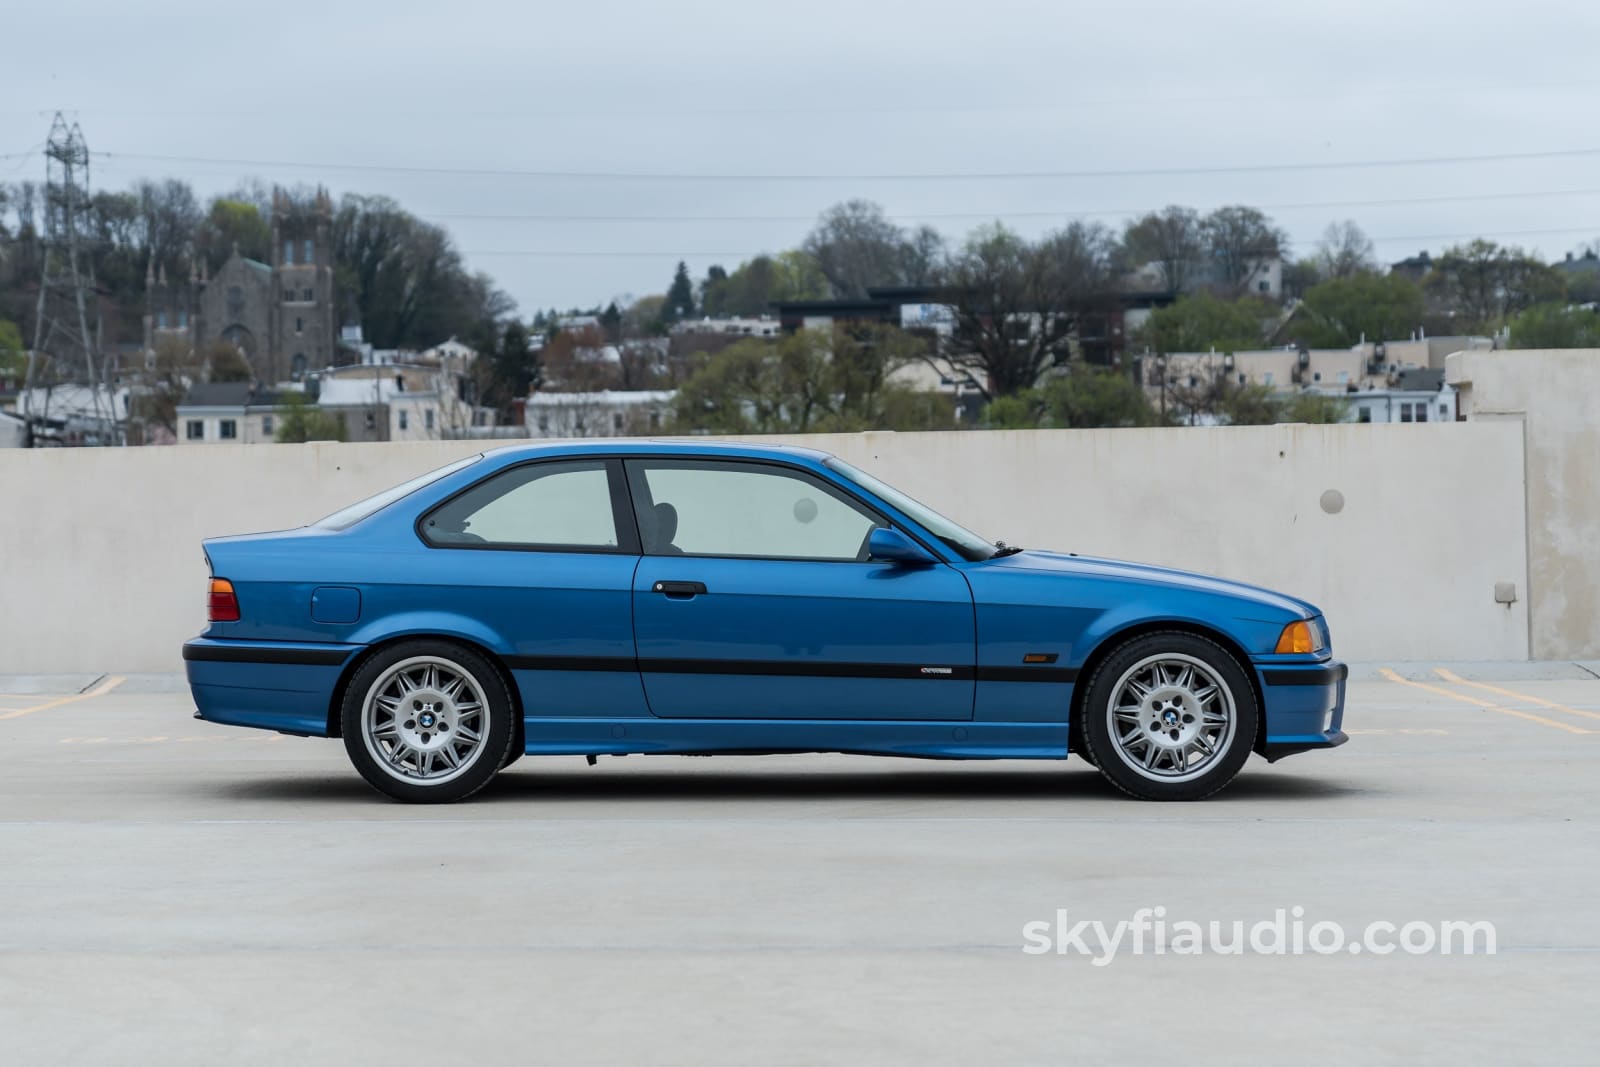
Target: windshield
345 518
955 536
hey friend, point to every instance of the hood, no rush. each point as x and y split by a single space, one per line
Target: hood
1066 563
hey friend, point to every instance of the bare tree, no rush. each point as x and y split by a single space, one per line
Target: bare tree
1239 239
1344 251
1171 238
920 255
1018 305
856 246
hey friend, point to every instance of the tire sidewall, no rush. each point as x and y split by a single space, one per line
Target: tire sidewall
497 735
1107 755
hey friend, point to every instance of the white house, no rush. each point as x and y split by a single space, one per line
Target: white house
603 414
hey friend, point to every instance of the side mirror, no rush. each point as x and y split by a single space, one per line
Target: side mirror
891 546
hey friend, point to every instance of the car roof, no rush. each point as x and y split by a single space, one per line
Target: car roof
623 446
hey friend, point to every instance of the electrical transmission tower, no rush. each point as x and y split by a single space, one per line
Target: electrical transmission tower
66 350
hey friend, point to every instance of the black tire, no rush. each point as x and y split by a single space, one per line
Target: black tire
1185 737
398 748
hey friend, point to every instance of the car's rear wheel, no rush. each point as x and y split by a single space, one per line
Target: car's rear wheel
427 721
1170 716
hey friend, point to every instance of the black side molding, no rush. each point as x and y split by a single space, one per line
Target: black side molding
304 657
791 669
1326 674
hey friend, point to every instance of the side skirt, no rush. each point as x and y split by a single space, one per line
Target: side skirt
937 740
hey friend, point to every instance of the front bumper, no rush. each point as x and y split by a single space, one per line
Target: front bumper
1304 706
269 685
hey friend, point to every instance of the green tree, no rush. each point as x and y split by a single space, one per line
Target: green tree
1248 405
513 368
1019 411
680 296
611 322
1090 397
1341 312
1314 408
1556 326
757 284
299 420
225 363
13 359
811 381
231 224
1202 322
406 279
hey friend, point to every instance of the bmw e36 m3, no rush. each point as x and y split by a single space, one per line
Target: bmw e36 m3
638 597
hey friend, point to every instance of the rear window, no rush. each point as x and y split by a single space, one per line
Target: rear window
345 518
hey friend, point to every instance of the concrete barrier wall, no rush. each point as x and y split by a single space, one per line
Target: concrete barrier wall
1549 395
103 569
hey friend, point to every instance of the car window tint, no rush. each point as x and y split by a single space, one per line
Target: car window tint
543 504
731 509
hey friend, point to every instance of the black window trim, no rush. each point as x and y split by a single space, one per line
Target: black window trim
621 509
826 485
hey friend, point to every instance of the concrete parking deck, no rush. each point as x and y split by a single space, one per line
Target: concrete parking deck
177 892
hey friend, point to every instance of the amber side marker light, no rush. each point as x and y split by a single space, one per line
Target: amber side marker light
1296 637
221 604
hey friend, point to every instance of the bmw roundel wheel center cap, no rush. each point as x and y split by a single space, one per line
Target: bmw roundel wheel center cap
426 719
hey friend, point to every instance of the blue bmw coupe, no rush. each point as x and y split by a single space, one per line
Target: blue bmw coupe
639 597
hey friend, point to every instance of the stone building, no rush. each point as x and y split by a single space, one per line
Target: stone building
282 315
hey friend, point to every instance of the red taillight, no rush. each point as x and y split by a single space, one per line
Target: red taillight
222 605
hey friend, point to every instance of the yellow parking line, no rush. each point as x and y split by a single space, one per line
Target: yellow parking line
1451 676
1484 704
100 690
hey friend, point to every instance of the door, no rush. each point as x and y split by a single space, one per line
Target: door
755 600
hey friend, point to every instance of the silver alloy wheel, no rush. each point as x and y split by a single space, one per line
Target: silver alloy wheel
1171 716
423 720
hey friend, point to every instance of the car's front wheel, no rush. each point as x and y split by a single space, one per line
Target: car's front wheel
1170 716
427 721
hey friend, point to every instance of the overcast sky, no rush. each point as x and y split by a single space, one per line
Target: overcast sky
381 96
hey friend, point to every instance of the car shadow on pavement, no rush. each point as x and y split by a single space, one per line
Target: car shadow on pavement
528 782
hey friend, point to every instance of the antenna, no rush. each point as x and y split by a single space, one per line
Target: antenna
65 349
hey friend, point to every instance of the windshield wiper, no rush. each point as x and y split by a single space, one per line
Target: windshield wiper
1003 549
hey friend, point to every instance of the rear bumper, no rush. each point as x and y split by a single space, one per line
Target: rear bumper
1304 705
269 685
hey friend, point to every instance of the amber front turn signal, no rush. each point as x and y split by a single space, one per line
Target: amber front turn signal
1296 637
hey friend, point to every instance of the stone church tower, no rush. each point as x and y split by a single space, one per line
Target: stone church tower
281 315
304 324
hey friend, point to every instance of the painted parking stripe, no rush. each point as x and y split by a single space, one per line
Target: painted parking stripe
105 686
1451 676
1484 704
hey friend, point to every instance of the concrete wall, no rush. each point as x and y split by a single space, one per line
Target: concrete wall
103 569
1550 396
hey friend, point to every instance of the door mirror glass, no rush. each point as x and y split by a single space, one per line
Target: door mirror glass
891 546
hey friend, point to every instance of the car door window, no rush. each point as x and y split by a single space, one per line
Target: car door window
744 509
542 505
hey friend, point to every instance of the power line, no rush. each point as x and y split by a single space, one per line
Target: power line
1239 168
912 216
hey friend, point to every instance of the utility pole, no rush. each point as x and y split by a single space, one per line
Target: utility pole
65 349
